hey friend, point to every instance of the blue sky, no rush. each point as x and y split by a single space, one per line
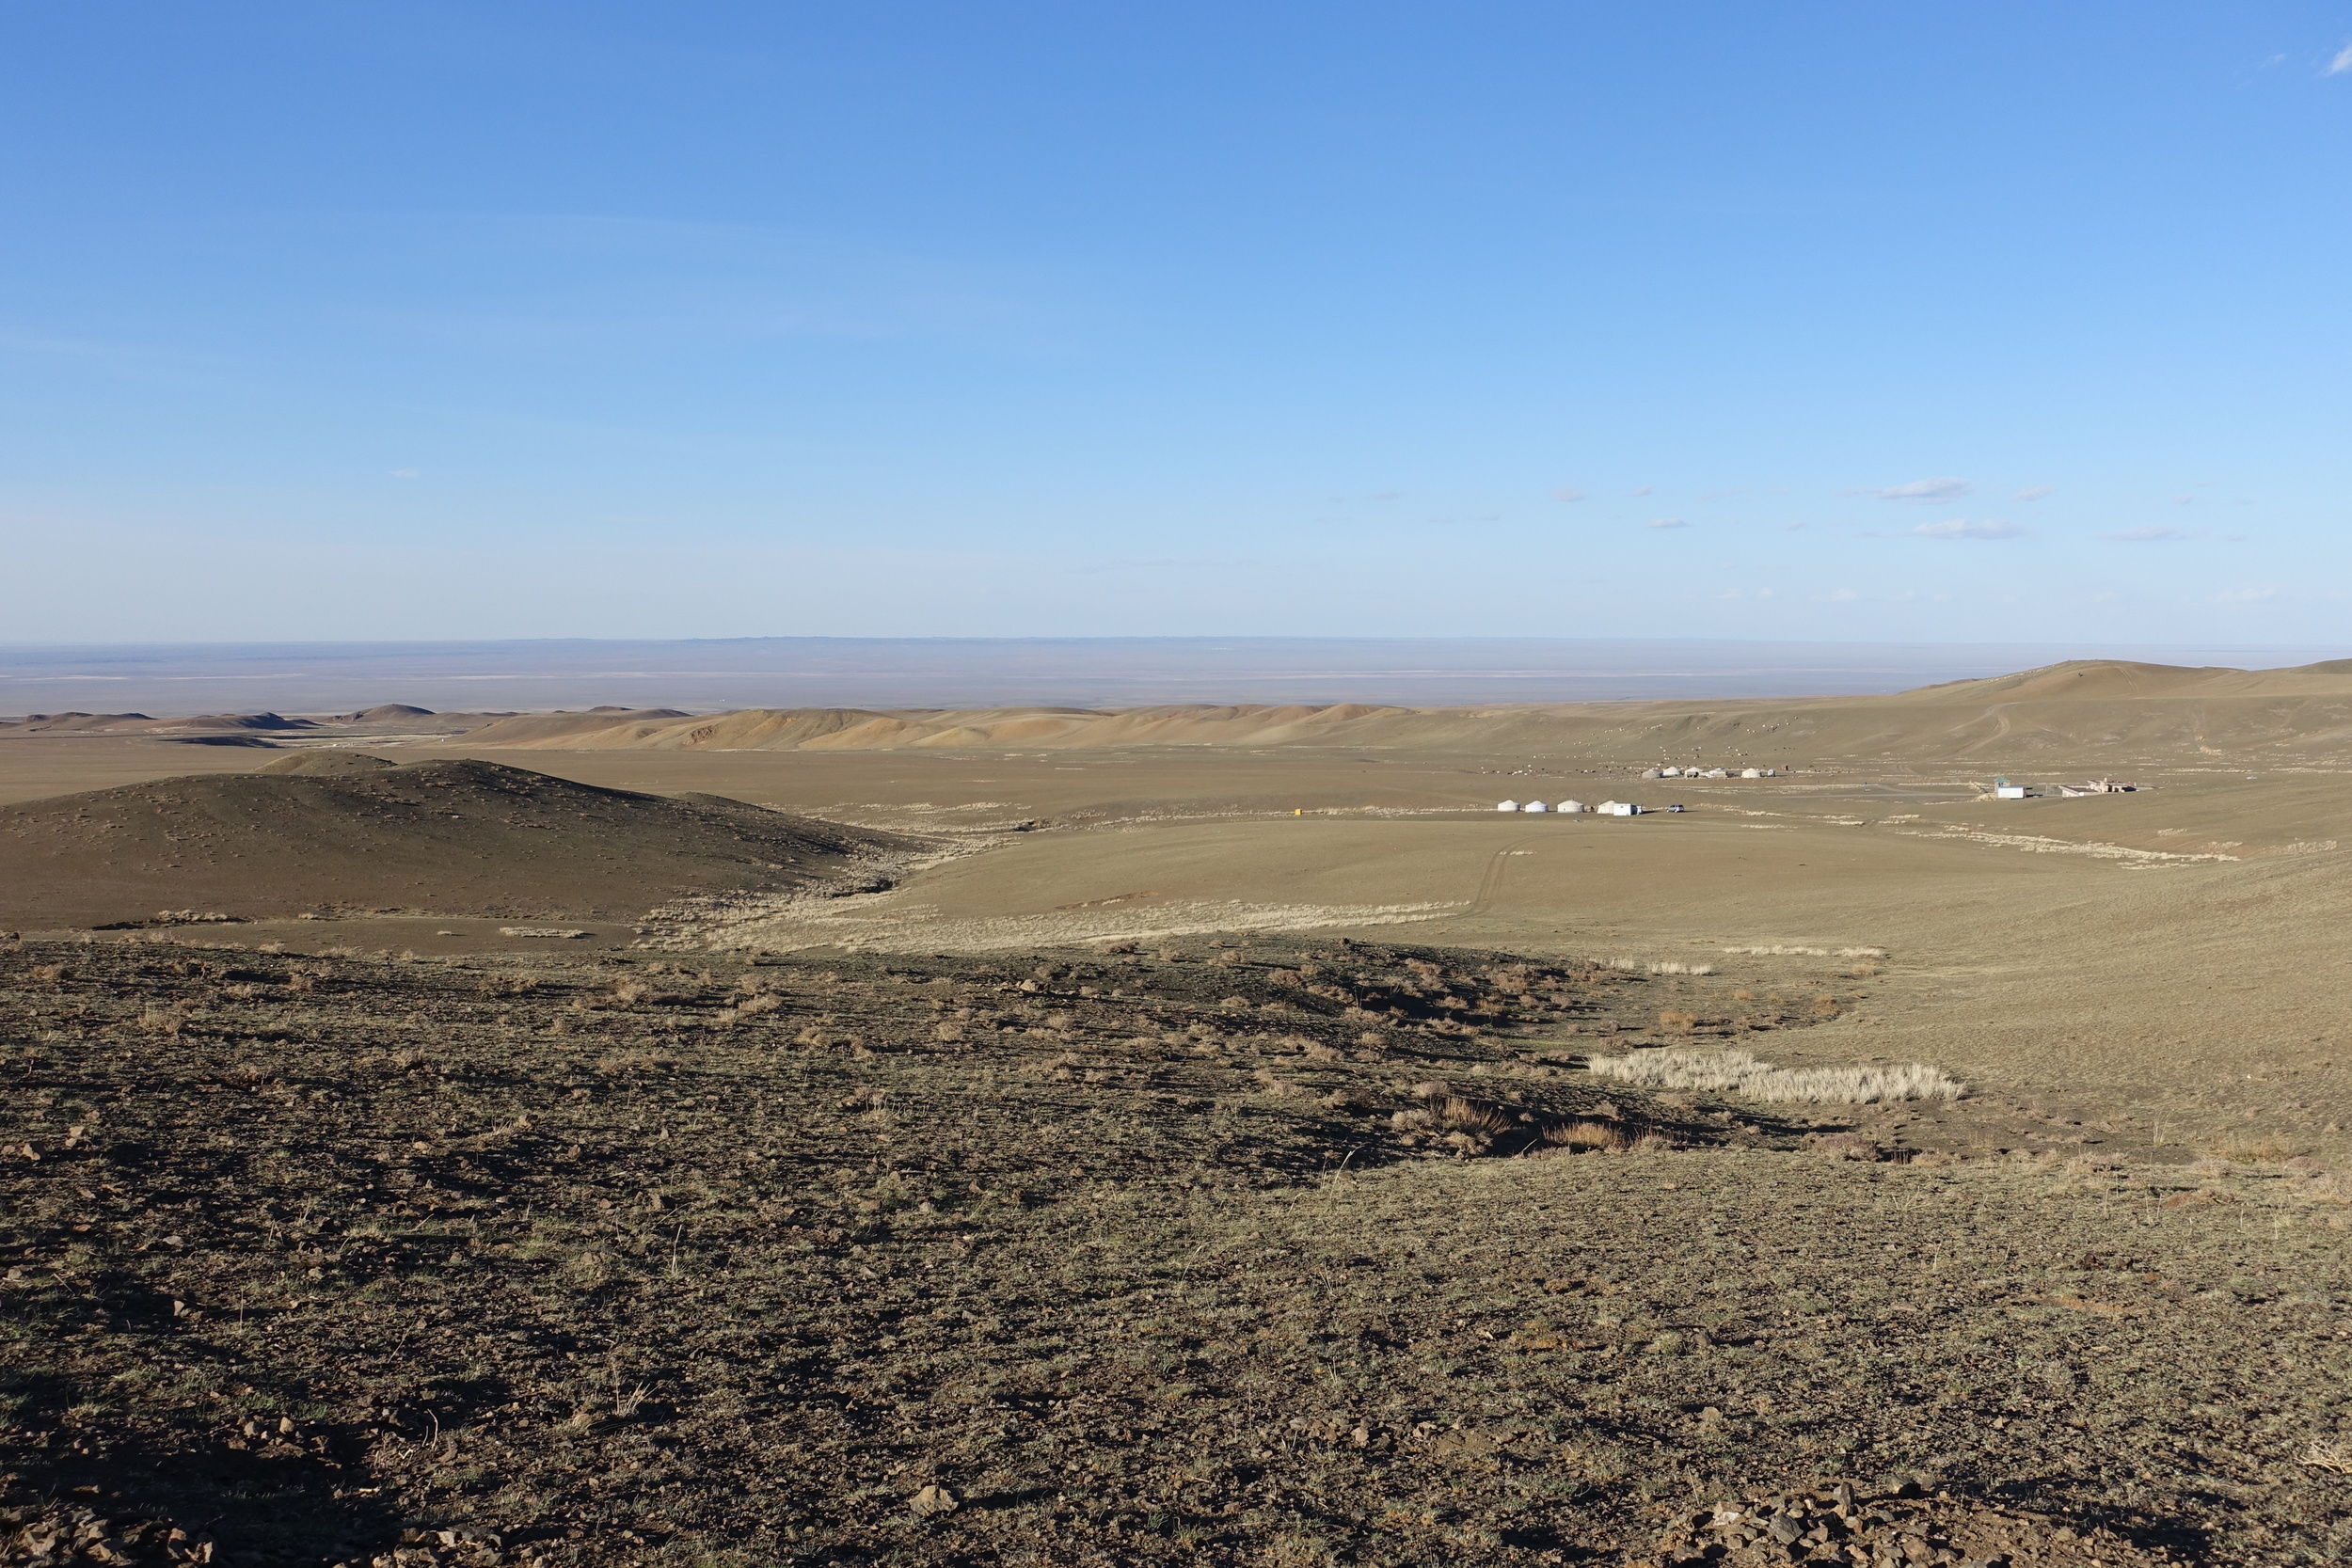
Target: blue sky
1826 320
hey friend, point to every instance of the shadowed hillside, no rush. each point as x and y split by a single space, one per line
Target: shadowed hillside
448 837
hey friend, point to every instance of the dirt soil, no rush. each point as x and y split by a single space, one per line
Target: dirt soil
1235 1251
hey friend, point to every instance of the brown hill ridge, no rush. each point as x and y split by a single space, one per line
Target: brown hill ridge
451 837
382 720
2092 708
140 723
324 763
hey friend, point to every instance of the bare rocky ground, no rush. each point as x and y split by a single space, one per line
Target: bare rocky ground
1285 1253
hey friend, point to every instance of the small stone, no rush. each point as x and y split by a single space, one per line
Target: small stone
933 1500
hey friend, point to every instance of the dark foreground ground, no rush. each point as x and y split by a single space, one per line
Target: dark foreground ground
1090 1258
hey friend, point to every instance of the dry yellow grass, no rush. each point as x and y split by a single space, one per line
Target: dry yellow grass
1740 1074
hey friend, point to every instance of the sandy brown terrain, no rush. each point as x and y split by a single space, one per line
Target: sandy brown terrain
2095 710
1137 1149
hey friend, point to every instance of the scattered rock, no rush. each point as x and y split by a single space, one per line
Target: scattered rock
1841 1523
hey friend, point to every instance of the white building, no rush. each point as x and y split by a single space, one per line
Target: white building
1573 806
1507 806
1750 772
1534 805
2008 792
1618 808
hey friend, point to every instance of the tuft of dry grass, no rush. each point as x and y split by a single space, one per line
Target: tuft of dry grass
1585 1135
621 1063
2252 1149
1844 1146
1677 1020
2333 1454
1737 1072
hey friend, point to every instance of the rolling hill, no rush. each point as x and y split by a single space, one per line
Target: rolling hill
448 837
2095 710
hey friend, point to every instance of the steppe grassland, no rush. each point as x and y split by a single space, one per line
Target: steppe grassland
2187 995
2193 993
2182 1013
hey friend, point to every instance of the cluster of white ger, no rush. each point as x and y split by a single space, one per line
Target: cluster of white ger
1607 808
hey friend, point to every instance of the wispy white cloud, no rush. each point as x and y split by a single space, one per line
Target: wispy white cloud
1926 491
2146 535
1665 522
1837 596
1646 489
2341 64
2245 595
1962 528
2034 492
405 473
1567 493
